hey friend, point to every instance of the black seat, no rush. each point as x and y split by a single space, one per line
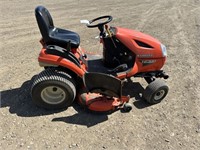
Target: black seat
52 35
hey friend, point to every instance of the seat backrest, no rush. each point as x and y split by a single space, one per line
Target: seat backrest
45 22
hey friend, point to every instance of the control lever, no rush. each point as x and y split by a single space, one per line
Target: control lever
84 21
110 35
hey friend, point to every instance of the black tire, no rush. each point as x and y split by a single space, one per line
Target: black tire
127 107
149 79
155 92
53 89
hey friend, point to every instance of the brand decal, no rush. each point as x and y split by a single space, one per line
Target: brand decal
147 62
145 55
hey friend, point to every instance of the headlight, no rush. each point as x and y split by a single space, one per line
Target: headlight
164 50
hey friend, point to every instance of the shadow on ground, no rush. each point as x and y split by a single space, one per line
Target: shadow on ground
19 102
135 90
83 117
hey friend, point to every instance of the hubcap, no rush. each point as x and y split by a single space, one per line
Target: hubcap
159 95
53 95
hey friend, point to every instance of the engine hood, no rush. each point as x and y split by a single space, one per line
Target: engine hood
138 42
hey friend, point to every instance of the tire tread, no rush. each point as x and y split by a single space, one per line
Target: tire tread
51 74
151 88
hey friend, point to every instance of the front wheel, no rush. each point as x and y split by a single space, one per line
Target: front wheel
53 89
155 92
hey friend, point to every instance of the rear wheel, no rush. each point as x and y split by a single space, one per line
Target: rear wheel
53 89
155 92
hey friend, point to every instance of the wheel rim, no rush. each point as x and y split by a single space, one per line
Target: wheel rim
53 95
159 95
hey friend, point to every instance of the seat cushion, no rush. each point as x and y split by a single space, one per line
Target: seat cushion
61 38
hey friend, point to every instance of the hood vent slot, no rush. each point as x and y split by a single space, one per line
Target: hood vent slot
142 44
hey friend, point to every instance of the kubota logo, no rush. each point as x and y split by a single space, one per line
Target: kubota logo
145 55
147 62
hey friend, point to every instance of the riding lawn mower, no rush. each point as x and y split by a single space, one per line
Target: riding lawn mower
95 81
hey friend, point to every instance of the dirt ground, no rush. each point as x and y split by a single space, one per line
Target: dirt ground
173 124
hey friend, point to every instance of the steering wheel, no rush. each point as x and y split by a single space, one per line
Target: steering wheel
90 25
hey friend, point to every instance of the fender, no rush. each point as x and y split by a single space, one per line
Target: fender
64 53
55 60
